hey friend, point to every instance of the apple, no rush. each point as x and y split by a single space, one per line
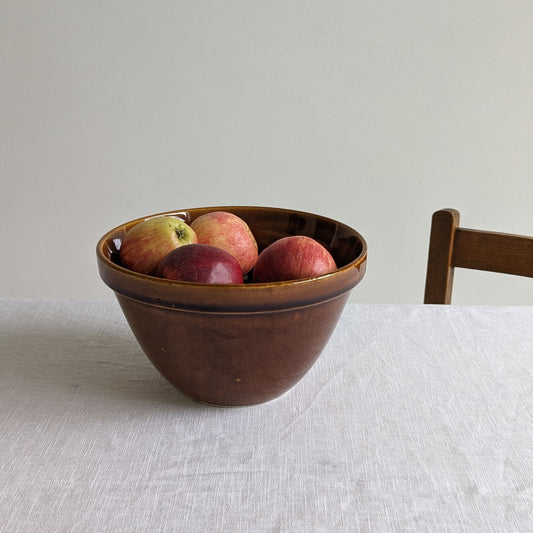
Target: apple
293 257
200 263
149 241
230 233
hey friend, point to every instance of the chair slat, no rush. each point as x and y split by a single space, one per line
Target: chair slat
493 252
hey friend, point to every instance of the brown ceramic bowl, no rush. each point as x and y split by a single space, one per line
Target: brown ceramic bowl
238 344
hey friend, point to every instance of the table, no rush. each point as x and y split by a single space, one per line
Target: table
414 418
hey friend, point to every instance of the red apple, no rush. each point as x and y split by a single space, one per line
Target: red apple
146 243
200 263
229 232
293 257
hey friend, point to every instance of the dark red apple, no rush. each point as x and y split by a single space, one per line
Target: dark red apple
200 263
294 257
229 232
146 243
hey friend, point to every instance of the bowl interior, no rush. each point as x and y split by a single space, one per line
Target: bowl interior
268 224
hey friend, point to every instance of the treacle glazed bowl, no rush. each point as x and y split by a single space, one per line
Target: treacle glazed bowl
236 345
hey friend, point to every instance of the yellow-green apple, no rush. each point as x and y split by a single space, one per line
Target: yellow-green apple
293 257
149 241
229 232
200 263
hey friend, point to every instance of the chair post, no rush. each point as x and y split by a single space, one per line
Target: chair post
439 276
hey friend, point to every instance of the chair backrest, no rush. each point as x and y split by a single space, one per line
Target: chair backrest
452 246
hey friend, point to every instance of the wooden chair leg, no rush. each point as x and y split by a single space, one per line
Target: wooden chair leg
439 276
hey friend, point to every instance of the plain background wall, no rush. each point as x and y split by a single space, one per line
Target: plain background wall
374 113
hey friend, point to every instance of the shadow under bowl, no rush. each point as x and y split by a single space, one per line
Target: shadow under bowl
235 345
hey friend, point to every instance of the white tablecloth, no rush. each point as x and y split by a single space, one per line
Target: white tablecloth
415 418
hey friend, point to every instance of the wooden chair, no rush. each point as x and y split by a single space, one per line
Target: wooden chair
451 246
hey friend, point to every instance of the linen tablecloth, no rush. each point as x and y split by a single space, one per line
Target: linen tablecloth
414 418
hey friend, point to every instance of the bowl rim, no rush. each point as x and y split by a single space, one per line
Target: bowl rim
241 286
333 277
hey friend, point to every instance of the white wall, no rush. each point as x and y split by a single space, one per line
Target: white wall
374 113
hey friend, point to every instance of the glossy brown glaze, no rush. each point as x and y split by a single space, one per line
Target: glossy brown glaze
238 344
